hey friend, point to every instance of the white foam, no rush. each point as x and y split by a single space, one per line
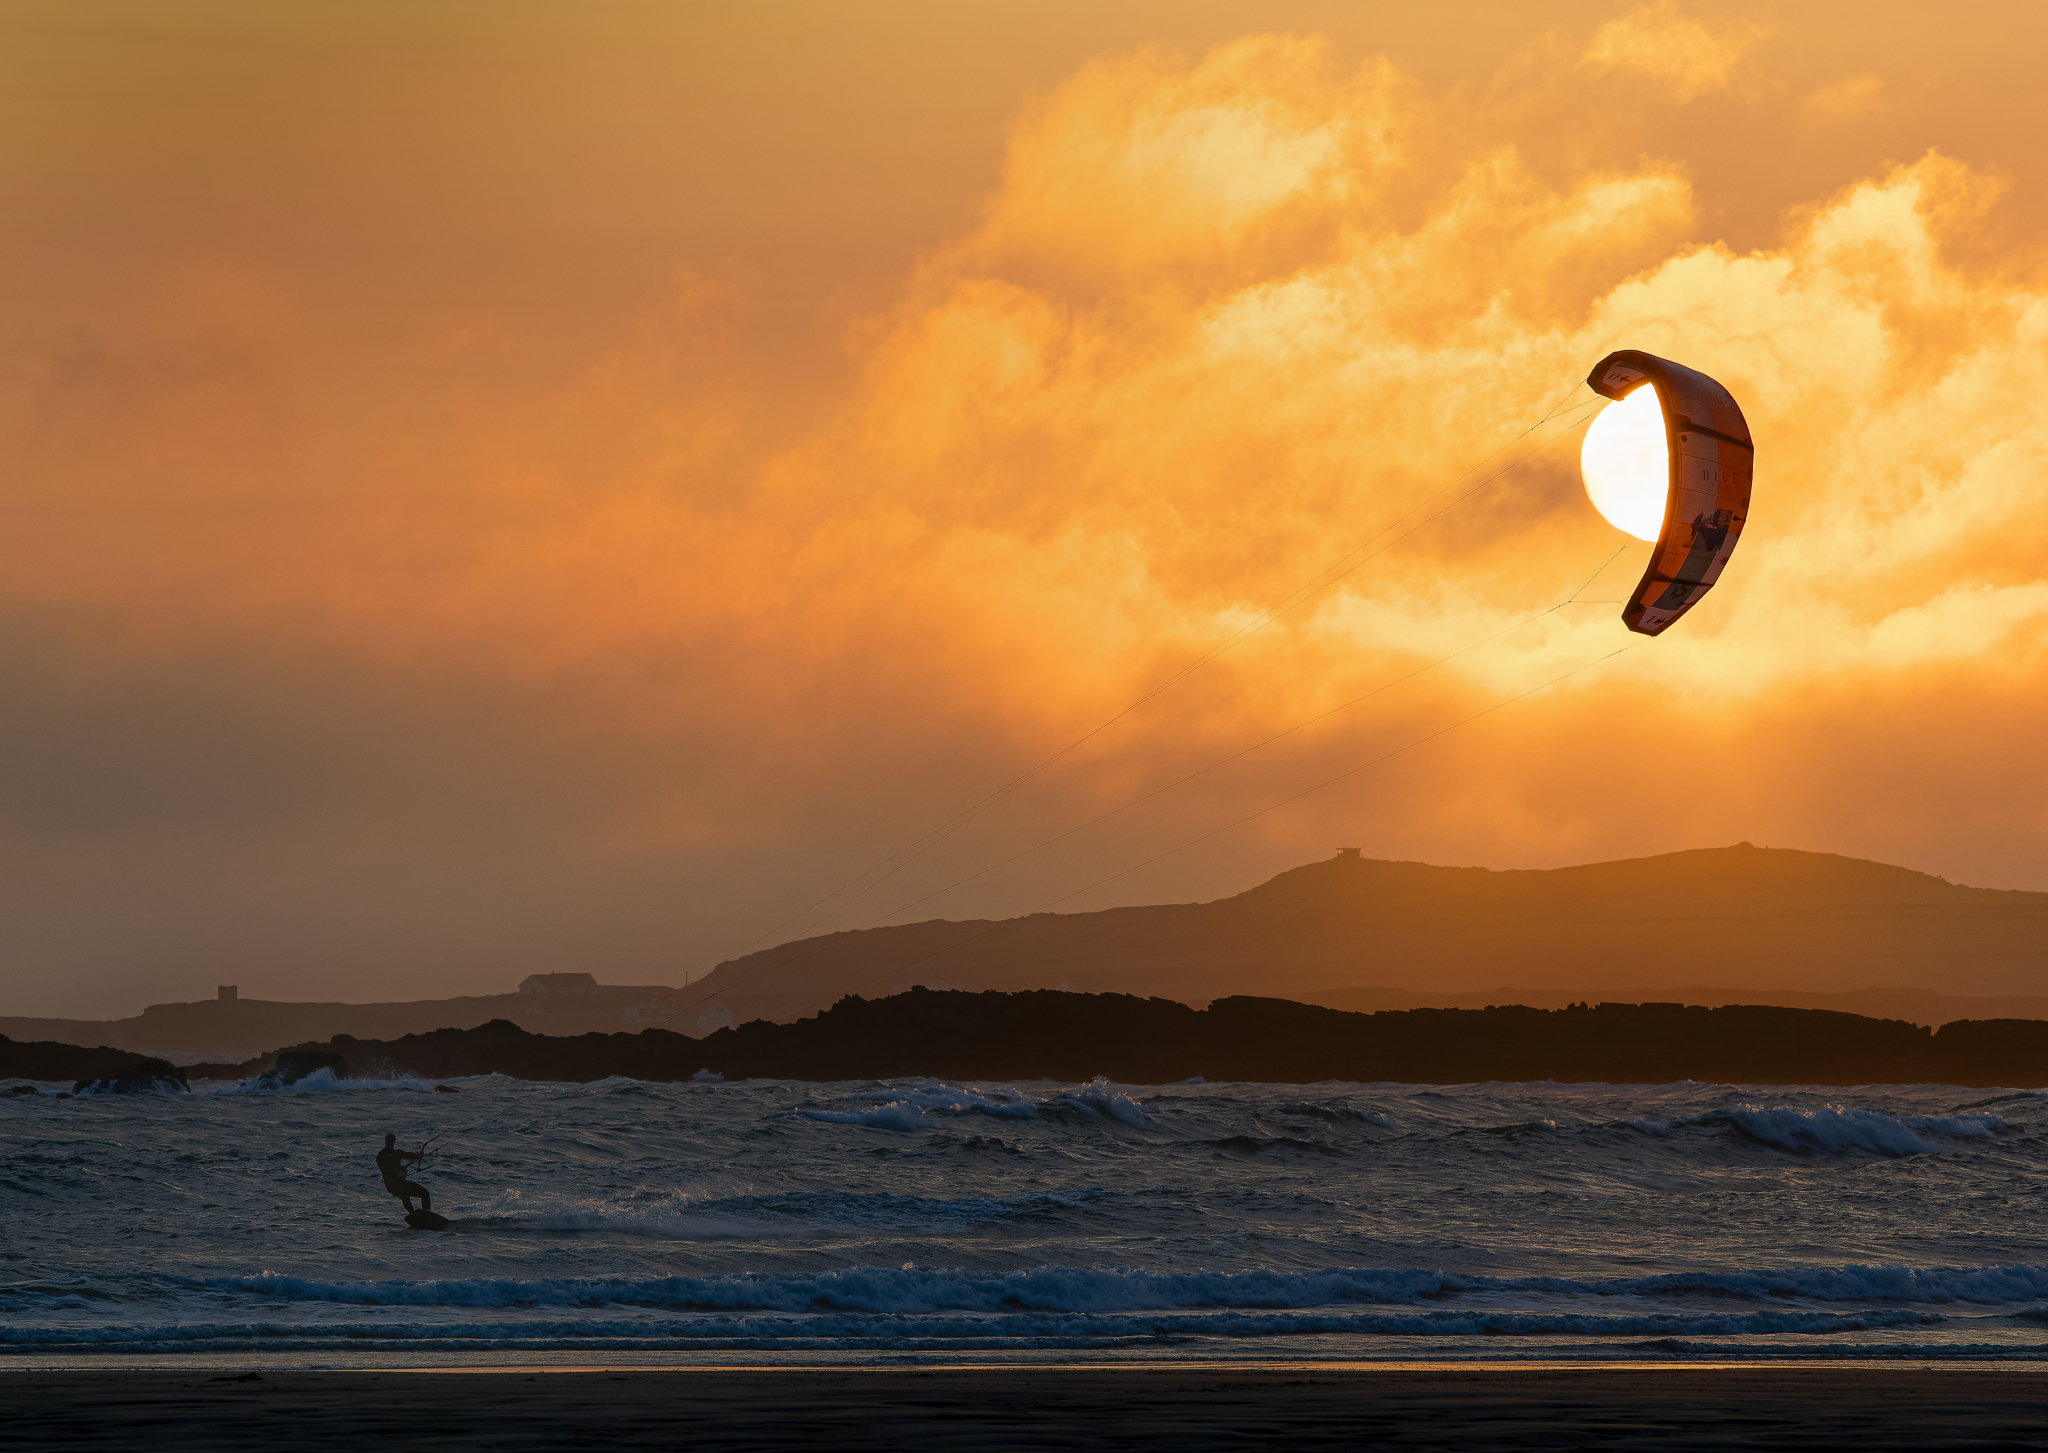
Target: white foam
1103 1100
1835 1128
906 1106
320 1082
161 1086
895 1115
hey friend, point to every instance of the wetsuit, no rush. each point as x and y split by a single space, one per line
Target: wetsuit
391 1165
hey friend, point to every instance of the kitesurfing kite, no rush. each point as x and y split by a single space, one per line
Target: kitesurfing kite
1693 426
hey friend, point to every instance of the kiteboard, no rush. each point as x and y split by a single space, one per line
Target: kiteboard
426 1221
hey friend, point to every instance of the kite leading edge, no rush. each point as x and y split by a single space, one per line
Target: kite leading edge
1712 464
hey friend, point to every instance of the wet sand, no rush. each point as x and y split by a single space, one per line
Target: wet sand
1034 1408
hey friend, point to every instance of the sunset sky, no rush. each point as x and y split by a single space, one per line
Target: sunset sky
496 487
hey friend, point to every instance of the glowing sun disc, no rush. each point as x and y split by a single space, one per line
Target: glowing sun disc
1626 464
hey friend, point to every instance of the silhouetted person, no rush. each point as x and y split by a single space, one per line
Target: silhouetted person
391 1165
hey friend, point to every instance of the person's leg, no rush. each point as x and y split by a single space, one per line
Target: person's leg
413 1188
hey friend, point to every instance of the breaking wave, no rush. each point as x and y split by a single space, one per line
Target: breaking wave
322 1081
1361 1220
1831 1128
912 1108
1098 1290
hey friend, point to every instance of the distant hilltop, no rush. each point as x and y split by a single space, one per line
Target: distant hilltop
1759 925
230 1027
1738 925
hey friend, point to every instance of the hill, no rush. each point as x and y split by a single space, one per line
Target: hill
1711 927
235 1028
1746 920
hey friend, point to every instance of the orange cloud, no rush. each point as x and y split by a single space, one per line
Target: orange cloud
1660 44
656 604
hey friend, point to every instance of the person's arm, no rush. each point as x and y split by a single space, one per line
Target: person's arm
408 1155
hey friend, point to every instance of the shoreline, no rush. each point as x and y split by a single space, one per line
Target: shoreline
172 1365
1040 1407
1875 1364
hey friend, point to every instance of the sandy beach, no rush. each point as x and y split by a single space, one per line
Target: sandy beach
1036 1408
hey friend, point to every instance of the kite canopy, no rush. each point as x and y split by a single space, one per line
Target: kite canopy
1712 463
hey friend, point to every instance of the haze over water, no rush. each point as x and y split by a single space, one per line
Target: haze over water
916 1221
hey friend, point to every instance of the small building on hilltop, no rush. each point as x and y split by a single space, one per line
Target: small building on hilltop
654 1003
559 984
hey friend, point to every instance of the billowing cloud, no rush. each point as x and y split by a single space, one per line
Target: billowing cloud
1105 401
335 625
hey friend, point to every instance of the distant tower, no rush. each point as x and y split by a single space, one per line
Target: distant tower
1347 852
226 993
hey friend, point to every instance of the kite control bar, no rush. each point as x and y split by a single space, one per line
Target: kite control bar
427 1148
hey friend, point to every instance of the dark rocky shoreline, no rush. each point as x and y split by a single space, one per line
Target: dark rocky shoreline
1050 1035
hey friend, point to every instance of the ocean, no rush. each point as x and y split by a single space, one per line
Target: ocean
916 1221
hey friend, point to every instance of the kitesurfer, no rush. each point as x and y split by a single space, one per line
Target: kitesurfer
391 1165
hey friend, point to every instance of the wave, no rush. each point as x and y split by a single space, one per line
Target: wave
1254 1145
1028 1327
1834 1128
322 1081
905 1107
895 1115
1334 1114
1983 1285
682 1216
1101 1290
1105 1101
2017 1097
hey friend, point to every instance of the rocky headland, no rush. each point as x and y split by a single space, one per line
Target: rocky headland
1051 1035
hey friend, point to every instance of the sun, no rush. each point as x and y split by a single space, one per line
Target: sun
1626 463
